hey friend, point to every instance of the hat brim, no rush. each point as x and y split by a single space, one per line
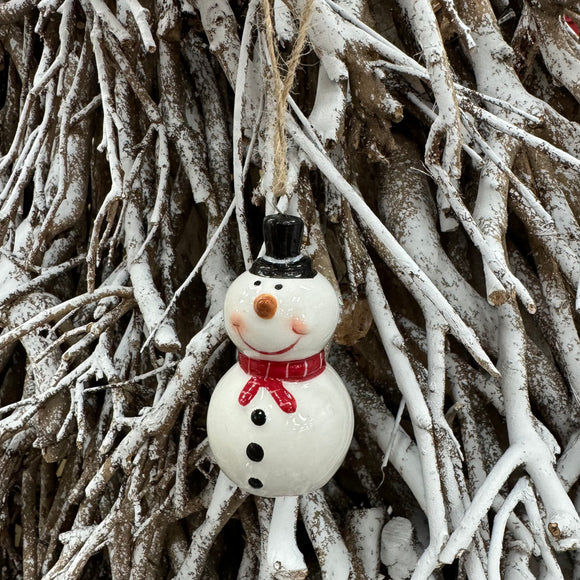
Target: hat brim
299 267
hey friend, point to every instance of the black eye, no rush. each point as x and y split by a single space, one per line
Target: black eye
278 286
257 283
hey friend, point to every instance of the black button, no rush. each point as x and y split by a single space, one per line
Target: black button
255 483
255 452
258 417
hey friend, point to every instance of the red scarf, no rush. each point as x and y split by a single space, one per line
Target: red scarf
270 374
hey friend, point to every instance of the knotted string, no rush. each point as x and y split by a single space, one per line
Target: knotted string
282 89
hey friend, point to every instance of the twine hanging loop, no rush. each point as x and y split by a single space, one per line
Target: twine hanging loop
282 87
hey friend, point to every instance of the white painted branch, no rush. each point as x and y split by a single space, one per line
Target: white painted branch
108 19
436 367
553 570
483 499
72 181
11 195
184 130
181 390
414 225
394 434
327 115
493 259
413 69
527 196
397 259
162 162
447 126
150 303
265 508
94 104
324 534
65 30
515 496
95 329
503 126
142 18
20 160
283 22
209 247
492 60
517 563
365 527
490 215
428 110
88 541
469 95
516 526
568 467
109 206
60 310
127 74
214 111
45 275
561 517
562 318
559 50
48 417
239 104
225 501
25 116
385 48
449 452
221 27
462 28
376 418
28 407
394 346
285 560
563 240
556 244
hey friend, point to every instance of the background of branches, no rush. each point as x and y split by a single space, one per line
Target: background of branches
433 152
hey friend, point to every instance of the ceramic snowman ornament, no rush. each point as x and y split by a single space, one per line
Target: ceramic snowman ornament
280 421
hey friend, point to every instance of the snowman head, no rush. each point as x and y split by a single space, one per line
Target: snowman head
281 309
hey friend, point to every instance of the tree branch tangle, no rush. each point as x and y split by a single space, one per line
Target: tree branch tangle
432 149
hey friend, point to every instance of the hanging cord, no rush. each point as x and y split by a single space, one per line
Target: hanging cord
282 89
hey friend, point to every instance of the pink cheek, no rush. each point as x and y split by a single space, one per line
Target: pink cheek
237 321
299 326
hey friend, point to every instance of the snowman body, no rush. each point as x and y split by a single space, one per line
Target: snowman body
280 421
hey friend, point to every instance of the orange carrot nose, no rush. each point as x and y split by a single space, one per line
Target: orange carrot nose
265 306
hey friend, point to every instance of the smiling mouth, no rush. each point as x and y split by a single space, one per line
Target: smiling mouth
265 351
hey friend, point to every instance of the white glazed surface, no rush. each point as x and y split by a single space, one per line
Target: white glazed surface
301 450
308 305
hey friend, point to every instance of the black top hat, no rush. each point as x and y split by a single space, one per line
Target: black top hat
283 238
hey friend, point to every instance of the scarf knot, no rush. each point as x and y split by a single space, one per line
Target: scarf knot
270 374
